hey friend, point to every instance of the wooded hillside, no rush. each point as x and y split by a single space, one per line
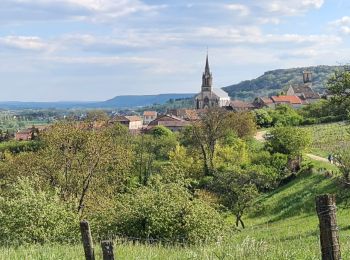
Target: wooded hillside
273 82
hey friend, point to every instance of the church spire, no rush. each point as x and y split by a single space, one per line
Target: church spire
207 69
207 78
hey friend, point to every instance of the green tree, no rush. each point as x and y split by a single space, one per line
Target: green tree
285 115
161 131
242 123
205 133
291 141
81 163
342 160
150 148
166 211
213 127
262 117
29 215
339 88
96 115
236 191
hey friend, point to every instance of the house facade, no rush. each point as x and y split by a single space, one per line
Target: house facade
131 122
27 134
149 116
240 106
293 101
271 102
169 121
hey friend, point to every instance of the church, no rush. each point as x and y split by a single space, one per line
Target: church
209 96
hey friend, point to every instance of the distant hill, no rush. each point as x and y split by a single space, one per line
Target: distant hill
141 100
43 105
275 81
117 102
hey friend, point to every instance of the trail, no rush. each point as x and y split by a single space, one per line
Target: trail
260 136
316 158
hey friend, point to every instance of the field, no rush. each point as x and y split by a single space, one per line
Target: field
285 226
329 138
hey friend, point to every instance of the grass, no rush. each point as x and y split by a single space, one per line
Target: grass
284 226
329 138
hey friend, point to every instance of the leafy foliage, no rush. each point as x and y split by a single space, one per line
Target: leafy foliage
28 215
289 141
166 212
339 88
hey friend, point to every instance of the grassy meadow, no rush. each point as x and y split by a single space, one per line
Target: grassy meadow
283 226
328 138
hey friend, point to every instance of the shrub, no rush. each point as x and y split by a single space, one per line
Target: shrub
30 216
310 121
166 212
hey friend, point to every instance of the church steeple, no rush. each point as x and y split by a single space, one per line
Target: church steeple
207 69
207 78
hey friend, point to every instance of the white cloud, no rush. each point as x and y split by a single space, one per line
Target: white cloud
254 35
92 10
28 43
342 25
290 7
100 60
242 10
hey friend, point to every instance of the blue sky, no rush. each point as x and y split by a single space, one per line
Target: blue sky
96 49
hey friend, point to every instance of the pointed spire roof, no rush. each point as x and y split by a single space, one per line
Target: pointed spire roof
207 69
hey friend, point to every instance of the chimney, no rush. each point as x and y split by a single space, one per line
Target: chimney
307 76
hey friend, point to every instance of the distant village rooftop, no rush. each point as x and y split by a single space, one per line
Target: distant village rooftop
286 99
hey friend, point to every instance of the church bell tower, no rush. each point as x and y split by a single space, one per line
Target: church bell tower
207 78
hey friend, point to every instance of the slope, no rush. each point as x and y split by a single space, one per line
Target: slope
286 223
273 82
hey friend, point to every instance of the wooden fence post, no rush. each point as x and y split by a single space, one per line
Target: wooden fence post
87 240
107 250
329 237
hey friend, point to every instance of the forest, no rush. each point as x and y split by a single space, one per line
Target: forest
276 81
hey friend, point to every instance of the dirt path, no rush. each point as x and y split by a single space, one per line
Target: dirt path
317 158
260 136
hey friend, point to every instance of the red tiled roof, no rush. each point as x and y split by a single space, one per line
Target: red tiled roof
133 118
165 118
187 114
267 100
150 113
120 119
174 123
241 104
287 99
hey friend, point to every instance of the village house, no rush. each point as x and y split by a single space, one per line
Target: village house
293 101
271 102
261 102
240 106
210 97
304 91
169 121
27 134
185 114
131 122
149 116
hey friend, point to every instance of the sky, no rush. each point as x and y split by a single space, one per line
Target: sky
91 50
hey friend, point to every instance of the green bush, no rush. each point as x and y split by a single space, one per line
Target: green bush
31 216
167 212
310 121
20 146
330 119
